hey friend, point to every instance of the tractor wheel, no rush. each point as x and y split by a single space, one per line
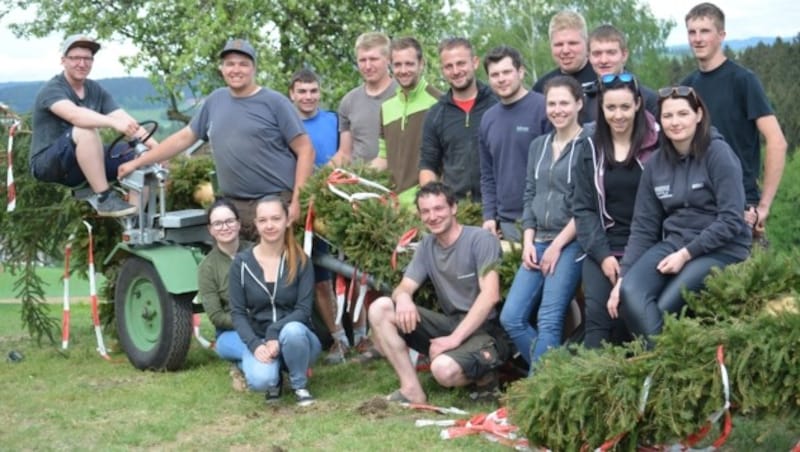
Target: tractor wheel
155 327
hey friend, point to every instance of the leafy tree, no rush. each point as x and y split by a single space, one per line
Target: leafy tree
179 41
524 25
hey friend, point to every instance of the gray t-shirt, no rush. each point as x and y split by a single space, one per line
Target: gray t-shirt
249 139
47 126
360 114
455 270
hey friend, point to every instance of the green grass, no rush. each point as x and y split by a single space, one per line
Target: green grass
78 401
54 287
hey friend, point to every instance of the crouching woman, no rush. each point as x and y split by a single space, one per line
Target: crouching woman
272 294
687 218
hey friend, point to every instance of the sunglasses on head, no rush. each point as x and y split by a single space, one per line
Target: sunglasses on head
677 91
612 80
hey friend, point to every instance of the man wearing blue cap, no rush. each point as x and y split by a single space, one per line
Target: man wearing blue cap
66 146
260 144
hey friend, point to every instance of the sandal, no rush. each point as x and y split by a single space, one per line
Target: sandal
397 397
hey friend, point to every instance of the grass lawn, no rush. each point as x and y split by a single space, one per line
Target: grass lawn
54 286
78 401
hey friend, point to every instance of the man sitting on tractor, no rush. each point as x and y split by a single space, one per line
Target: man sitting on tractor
69 111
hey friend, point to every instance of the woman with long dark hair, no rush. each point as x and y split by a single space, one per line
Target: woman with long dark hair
687 218
605 190
272 294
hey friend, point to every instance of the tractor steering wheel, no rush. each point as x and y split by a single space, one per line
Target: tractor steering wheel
149 125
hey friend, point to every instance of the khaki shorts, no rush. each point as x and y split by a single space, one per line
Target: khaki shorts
485 350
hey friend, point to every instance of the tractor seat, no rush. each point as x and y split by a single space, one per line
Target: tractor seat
184 218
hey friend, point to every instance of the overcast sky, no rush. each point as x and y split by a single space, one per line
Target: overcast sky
38 59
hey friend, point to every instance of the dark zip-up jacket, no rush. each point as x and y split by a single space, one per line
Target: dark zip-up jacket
694 203
255 316
549 184
592 220
450 142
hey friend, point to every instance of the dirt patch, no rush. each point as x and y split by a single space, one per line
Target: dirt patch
374 408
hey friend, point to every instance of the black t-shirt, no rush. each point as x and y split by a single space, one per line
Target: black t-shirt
587 78
735 99
621 182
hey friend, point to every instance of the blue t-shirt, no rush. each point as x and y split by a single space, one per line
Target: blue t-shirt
323 128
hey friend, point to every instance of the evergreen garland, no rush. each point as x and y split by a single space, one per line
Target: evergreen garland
580 397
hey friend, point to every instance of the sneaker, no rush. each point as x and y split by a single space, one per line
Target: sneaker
304 398
113 206
336 353
238 382
273 395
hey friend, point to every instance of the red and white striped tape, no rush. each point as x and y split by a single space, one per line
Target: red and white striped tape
101 347
66 314
10 186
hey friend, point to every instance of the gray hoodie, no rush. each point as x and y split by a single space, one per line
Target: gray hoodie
549 185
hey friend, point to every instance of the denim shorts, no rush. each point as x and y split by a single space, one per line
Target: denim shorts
59 164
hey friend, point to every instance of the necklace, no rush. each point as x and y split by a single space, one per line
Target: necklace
558 145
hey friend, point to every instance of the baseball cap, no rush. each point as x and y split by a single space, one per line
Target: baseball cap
79 39
240 46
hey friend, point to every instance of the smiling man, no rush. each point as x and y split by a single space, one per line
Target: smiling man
402 118
359 110
739 109
322 125
569 48
68 113
464 341
450 136
506 132
608 53
260 145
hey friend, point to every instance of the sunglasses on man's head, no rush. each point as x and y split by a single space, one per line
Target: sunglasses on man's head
612 80
677 91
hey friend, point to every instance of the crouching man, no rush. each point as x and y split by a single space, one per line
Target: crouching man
464 341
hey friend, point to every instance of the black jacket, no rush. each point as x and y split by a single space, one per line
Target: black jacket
450 142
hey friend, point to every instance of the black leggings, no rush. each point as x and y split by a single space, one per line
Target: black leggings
646 294
600 326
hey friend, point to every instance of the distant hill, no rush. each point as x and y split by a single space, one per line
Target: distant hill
132 93
735 44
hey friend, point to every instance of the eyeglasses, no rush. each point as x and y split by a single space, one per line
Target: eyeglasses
677 91
612 80
83 59
230 223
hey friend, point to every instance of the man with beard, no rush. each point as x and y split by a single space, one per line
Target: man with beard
450 136
402 118
360 109
506 132
568 46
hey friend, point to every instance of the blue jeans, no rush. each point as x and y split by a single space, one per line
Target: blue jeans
229 346
547 296
647 294
299 348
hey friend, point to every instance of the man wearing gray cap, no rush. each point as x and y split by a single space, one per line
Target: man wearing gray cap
68 112
259 143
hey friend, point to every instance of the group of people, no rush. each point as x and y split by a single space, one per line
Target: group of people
631 193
